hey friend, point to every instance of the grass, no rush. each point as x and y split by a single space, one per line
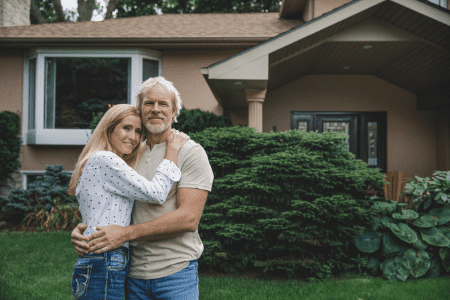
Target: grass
40 265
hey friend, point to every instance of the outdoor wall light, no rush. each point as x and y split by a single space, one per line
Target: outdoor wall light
238 83
367 47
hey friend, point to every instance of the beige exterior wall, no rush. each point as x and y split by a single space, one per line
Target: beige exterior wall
324 6
183 69
11 80
411 134
37 157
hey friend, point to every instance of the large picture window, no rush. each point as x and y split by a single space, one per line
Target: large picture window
66 88
366 131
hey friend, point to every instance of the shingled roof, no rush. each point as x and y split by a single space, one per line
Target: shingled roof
255 27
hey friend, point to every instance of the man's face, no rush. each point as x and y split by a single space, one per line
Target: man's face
157 111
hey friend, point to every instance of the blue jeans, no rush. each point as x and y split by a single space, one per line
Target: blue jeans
181 285
101 276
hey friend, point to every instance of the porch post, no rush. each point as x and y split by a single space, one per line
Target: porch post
255 99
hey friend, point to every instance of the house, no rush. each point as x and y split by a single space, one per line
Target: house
377 70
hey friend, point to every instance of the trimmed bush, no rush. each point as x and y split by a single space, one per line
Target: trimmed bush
10 142
288 202
411 240
196 120
40 194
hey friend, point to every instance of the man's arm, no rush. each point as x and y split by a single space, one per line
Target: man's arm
190 204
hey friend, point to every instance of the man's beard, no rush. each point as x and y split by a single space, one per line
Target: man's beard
157 128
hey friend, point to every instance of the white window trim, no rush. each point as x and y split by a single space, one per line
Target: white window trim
43 136
39 173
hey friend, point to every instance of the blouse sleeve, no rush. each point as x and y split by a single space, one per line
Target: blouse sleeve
119 178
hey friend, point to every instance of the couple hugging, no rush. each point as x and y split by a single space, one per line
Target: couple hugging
141 202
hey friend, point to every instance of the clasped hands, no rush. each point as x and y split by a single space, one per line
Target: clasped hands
106 238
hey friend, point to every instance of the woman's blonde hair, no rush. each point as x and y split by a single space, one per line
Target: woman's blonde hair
101 141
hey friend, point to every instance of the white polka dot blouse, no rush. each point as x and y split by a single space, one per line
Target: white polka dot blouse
108 188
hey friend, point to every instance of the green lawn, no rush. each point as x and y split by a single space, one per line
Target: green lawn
40 265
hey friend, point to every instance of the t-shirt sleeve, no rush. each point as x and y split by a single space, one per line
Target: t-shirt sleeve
119 178
196 171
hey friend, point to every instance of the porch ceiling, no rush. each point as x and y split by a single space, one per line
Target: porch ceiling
407 49
399 41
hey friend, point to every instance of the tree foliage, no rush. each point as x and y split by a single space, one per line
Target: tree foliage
50 11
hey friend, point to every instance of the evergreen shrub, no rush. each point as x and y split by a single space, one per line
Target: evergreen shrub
10 142
41 194
196 120
289 202
410 240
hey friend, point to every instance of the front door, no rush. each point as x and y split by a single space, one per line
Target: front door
366 131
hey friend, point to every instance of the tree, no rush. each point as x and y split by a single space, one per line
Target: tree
50 11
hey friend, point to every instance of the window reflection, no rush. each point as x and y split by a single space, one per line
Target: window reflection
372 143
302 126
343 127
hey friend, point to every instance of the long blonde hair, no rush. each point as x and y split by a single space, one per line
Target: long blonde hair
101 141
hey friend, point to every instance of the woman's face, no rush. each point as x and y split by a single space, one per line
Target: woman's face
126 136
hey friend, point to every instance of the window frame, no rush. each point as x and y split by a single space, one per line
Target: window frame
26 173
44 136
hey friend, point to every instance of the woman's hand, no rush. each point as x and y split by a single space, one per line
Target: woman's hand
77 239
176 140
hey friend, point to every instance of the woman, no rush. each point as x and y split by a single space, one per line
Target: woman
106 185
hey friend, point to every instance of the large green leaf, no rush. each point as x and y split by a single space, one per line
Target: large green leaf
444 253
434 236
403 232
386 221
376 223
373 265
435 268
445 231
390 206
405 215
420 244
426 221
368 242
389 270
392 246
418 262
442 213
401 265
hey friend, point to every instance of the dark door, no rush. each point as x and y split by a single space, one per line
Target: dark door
366 131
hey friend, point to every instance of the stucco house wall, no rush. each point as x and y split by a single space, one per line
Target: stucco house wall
411 134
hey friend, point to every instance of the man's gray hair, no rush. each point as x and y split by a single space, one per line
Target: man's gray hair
162 85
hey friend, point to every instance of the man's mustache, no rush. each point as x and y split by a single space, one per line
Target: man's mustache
156 117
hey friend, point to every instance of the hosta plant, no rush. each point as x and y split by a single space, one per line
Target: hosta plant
411 239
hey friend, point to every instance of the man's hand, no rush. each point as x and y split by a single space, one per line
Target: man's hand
107 238
77 237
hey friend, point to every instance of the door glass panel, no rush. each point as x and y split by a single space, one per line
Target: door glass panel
372 146
339 127
302 126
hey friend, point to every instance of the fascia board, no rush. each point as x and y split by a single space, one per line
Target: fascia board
440 15
292 36
257 69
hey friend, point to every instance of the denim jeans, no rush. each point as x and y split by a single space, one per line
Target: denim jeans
181 285
101 276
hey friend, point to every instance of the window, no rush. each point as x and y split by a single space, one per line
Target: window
66 87
442 3
366 131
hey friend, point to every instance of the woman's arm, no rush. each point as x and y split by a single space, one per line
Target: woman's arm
121 179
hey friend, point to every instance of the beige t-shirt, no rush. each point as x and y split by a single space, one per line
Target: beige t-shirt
156 259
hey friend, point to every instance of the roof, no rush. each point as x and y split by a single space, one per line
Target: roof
408 41
220 27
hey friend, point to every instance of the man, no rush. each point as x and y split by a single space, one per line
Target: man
164 240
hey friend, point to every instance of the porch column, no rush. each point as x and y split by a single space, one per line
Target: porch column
255 99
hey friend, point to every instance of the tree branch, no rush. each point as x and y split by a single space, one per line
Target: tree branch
110 8
34 9
59 11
